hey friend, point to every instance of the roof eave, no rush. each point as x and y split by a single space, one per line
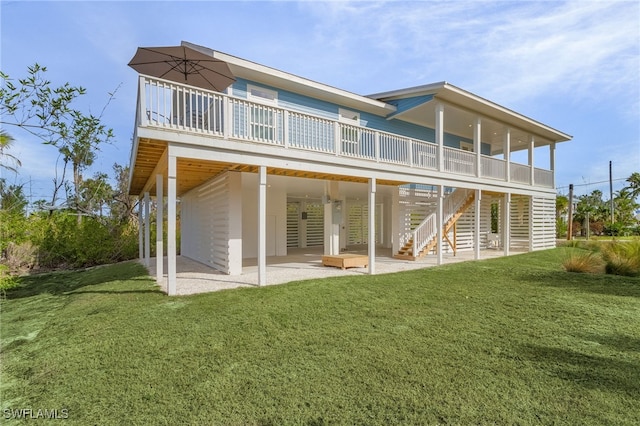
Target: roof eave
263 74
458 97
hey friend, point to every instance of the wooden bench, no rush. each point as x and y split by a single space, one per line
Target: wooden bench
344 261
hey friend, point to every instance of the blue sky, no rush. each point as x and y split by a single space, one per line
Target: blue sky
574 66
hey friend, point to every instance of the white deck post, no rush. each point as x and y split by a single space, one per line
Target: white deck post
552 163
395 221
171 224
235 224
140 230
159 233
440 135
331 228
262 225
531 227
476 224
372 226
439 224
506 230
531 161
477 145
147 235
507 154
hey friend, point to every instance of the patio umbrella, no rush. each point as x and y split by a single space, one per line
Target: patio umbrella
183 65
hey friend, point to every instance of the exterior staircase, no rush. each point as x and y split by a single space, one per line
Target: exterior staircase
426 233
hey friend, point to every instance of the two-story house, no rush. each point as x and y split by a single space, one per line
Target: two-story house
274 161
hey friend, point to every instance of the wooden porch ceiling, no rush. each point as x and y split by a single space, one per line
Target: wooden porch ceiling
194 172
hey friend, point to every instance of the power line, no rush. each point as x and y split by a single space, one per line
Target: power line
591 183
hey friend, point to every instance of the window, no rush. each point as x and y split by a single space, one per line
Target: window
348 116
466 146
261 94
350 135
263 118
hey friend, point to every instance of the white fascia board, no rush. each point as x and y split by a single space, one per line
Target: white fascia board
202 148
498 111
283 80
466 100
426 89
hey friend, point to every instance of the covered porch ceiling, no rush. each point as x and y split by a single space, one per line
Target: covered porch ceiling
462 108
151 160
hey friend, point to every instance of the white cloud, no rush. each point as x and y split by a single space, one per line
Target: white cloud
508 51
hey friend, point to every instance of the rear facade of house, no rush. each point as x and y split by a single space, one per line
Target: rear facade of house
277 162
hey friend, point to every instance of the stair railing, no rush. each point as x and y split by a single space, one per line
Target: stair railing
427 229
424 233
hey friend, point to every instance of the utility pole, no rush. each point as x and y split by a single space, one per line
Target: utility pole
570 218
611 189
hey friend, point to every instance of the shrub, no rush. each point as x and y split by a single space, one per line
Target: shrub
583 262
561 228
615 229
7 281
21 256
622 258
64 243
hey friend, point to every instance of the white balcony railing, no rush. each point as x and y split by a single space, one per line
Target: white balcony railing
166 104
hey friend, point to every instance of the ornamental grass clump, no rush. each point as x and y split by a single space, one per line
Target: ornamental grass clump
622 258
583 262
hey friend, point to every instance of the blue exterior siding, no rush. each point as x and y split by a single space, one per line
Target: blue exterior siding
328 110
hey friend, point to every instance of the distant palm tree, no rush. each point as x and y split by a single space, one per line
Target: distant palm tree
6 140
634 185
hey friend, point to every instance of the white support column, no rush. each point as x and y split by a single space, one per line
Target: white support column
531 161
440 135
172 200
476 224
147 231
507 153
262 225
440 224
331 219
531 223
159 231
372 226
235 224
142 103
506 223
477 145
552 163
140 230
395 220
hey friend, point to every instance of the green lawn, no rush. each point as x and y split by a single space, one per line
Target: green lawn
507 341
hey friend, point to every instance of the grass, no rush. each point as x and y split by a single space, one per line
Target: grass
515 340
617 257
583 262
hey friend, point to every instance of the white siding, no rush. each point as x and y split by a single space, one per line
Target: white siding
544 223
205 223
519 222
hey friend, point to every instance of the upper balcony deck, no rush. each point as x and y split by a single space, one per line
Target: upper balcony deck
168 105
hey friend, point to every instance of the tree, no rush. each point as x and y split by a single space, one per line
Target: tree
562 205
6 140
625 207
95 195
13 198
80 141
34 106
592 211
13 204
123 205
634 185
562 208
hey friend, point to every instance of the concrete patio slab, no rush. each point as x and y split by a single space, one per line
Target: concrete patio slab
301 264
